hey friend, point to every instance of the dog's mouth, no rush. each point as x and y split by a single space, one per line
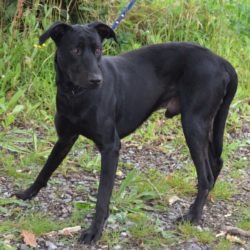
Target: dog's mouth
77 87
89 83
73 89
89 86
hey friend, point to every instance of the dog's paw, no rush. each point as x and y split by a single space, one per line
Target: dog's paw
189 217
90 236
23 195
28 193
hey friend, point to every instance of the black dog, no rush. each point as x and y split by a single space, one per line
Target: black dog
106 99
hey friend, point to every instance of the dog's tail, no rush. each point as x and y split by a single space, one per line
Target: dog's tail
216 144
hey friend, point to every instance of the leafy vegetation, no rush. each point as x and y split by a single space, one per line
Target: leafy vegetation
27 107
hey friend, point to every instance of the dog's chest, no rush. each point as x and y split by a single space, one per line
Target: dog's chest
76 117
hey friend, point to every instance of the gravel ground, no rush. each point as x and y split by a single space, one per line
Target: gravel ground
57 197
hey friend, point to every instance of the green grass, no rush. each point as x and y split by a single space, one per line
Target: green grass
5 246
223 245
27 107
145 229
137 191
182 185
38 223
188 231
223 190
244 222
142 229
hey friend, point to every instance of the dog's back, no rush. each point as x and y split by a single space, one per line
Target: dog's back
154 77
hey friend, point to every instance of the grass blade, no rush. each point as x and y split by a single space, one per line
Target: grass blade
126 182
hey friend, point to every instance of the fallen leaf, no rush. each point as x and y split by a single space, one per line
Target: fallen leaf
119 173
235 239
29 238
10 94
142 245
211 198
9 236
159 123
173 199
69 230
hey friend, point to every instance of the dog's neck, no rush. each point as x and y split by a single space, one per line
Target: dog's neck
69 89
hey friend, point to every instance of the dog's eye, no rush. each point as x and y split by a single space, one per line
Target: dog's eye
98 51
76 51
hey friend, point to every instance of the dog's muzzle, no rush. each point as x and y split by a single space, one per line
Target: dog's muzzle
94 81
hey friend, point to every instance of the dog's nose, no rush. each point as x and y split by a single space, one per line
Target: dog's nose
95 80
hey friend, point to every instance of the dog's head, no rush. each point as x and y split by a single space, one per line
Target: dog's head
79 51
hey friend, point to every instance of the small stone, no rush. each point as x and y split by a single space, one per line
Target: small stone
117 247
105 247
172 216
113 226
23 205
123 234
193 247
51 196
67 200
78 198
207 247
22 247
6 194
192 240
50 245
130 223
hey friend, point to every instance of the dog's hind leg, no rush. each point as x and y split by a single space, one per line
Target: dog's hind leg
59 152
216 140
196 131
204 111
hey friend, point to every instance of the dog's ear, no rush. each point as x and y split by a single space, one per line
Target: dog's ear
103 30
55 31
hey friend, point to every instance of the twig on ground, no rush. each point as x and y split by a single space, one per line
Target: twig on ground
236 230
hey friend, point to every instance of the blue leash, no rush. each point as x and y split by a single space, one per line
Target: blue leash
123 14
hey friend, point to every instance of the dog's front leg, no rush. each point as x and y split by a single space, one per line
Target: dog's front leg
109 160
59 152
